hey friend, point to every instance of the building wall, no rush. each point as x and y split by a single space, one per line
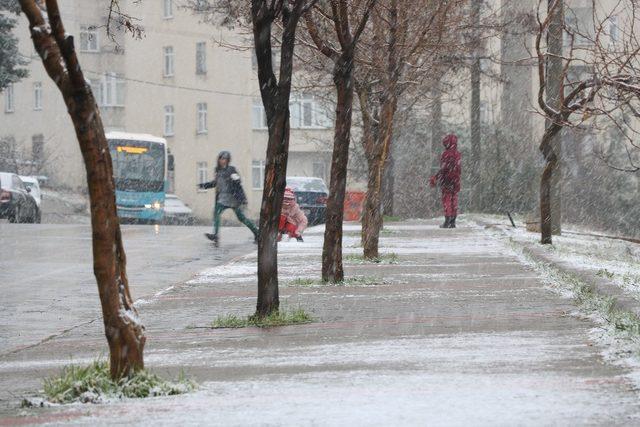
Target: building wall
229 88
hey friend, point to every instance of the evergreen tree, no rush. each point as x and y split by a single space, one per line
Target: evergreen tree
10 60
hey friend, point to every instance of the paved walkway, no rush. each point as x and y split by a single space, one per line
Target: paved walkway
458 332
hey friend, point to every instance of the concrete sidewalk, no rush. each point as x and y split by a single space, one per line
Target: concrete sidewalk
457 332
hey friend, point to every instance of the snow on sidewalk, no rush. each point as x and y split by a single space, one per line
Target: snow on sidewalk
456 331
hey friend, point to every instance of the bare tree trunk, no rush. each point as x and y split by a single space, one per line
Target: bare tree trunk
546 183
378 153
436 139
372 214
275 93
555 86
476 150
274 185
124 332
332 269
388 185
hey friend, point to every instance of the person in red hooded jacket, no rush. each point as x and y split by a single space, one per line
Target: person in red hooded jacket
448 177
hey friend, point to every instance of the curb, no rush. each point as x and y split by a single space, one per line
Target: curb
598 285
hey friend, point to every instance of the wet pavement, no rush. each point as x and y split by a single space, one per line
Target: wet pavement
46 273
457 331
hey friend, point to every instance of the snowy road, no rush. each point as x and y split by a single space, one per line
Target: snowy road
46 278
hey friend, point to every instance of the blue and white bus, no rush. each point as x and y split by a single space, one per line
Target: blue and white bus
140 173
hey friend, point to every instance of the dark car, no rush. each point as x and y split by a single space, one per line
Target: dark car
16 204
311 195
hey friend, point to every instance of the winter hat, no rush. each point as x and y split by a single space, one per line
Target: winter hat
450 141
289 194
224 155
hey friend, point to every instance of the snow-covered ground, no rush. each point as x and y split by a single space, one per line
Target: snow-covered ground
457 331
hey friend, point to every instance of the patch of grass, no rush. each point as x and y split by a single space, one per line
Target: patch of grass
360 281
93 384
386 232
302 282
278 318
588 299
603 272
388 218
391 258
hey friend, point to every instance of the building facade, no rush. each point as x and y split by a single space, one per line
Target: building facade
181 81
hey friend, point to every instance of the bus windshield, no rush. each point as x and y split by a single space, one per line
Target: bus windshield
137 165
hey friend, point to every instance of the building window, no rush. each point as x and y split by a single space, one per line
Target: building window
37 96
9 99
37 149
169 120
308 113
168 9
614 31
275 59
259 116
257 174
201 168
201 58
320 170
307 110
201 126
485 112
579 23
168 61
112 88
88 39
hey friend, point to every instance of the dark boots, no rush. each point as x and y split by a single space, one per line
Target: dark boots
213 238
449 222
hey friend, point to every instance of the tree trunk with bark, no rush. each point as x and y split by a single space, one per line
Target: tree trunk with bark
275 93
343 61
124 332
388 186
332 269
378 152
546 183
371 213
554 88
372 220
476 74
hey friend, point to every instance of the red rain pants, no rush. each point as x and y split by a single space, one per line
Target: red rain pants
286 227
450 203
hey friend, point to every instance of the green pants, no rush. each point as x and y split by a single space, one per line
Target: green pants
217 211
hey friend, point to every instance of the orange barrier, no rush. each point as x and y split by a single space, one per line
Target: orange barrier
353 205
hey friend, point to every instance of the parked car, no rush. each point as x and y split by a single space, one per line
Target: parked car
176 212
31 182
16 202
311 195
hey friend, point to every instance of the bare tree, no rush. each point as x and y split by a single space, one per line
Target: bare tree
338 14
275 94
599 78
404 51
124 332
273 24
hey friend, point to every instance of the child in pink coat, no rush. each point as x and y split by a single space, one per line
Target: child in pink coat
292 220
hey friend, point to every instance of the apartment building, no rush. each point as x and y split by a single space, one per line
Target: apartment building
181 81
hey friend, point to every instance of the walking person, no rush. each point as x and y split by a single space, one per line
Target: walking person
229 195
448 177
292 220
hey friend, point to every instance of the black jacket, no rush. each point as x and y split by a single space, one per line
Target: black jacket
229 187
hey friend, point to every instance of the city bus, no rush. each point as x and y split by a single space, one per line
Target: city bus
140 174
